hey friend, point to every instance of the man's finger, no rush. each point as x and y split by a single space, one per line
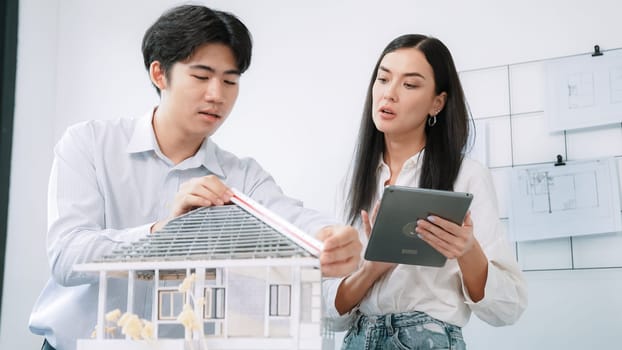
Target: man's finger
324 233
339 269
344 253
341 236
217 187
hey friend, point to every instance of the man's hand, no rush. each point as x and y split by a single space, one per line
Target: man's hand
203 191
342 250
198 192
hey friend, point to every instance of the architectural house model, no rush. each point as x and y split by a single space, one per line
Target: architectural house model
251 280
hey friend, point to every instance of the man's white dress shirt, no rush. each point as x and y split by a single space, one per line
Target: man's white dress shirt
108 185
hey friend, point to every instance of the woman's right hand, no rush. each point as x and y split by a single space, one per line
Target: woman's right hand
376 268
354 287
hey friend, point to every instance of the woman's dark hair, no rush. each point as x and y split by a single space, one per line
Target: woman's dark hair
445 141
181 30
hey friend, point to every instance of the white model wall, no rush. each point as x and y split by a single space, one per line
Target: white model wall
297 114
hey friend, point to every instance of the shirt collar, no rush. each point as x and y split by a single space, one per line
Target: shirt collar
415 161
208 156
143 140
411 163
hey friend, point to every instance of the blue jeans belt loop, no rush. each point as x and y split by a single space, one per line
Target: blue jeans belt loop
357 323
388 324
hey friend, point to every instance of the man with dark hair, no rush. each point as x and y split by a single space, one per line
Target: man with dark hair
114 182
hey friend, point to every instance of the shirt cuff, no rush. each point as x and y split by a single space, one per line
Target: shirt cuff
336 321
492 283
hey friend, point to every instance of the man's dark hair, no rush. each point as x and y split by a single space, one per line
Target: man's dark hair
181 30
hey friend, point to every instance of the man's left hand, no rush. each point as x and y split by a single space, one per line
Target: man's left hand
342 250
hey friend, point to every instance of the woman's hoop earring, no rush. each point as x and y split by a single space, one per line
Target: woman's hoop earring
432 120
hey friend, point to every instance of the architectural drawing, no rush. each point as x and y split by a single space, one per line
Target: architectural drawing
578 198
584 91
552 193
256 283
581 90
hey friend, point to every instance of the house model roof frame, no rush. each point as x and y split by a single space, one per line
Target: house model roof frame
244 233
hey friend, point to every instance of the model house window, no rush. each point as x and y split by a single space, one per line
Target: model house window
171 303
280 299
214 303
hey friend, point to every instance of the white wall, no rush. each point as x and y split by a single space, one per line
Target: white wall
26 267
297 113
509 110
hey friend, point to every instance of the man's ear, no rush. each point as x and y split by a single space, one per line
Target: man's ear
157 75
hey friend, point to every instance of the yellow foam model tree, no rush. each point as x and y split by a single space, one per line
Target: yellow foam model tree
141 329
188 316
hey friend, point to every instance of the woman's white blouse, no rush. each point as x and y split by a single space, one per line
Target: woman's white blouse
440 292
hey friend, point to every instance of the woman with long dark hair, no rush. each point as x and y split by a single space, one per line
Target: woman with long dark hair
413 133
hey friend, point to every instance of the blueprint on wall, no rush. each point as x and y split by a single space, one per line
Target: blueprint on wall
584 91
578 198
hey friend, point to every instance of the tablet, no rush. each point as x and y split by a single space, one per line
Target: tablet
393 237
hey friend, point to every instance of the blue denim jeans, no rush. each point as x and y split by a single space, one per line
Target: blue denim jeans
403 331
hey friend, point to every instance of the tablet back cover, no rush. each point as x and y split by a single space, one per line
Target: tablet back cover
393 237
